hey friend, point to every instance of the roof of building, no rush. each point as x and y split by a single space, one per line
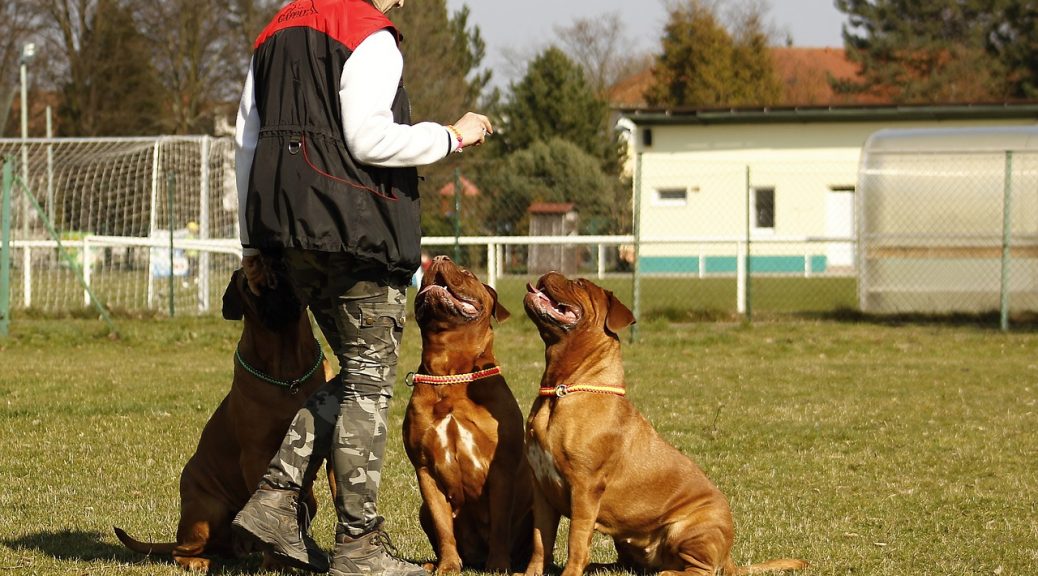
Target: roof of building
468 189
815 114
805 73
551 207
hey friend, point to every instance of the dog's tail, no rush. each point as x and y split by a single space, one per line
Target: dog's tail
769 566
148 548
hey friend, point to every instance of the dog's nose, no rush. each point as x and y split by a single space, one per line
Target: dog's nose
442 258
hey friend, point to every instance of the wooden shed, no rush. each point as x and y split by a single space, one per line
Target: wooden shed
553 219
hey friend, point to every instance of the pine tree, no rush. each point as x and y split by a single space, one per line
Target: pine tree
1014 41
554 99
695 66
755 80
922 52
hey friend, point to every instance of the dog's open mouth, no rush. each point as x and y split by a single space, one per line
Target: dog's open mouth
464 305
560 312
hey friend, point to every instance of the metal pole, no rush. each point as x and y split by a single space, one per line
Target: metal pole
636 289
492 265
153 218
457 214
747 294
203 229
171 183
5 249
50 168
741 249
24 77
1007 232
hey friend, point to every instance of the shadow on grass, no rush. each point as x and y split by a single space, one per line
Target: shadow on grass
1023 322
1019 322
69 545
74 545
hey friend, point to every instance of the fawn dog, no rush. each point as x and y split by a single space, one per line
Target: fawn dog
598 460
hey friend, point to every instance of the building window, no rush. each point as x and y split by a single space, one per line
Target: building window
764 209
671 197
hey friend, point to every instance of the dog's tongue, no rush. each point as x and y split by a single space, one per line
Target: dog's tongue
465 307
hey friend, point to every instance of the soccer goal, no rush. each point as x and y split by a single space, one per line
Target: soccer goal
151 222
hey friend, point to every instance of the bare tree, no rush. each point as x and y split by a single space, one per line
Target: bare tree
202 60
100 63
598 45
188 49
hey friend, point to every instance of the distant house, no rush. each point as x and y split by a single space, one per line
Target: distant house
770 173
446 194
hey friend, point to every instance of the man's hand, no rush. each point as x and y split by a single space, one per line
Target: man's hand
473 129
255 272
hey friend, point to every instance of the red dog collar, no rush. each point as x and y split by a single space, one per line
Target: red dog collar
416 378
564 390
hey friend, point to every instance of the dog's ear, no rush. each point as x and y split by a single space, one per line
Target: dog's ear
500 312
618 316
233 307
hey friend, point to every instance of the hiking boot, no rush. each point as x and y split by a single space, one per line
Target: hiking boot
274 521
370 554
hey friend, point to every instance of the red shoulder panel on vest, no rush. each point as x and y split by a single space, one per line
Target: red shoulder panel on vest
346 21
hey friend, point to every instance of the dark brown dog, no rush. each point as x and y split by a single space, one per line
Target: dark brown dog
278 364
597 460
463 430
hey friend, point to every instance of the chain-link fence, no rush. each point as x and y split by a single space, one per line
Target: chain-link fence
152 225
138 223
720 237
949 224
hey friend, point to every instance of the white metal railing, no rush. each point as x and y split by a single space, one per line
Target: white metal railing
494 250
87 244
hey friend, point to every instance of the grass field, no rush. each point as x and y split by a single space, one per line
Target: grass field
864 448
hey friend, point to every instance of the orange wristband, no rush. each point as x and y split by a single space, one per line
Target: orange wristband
457 136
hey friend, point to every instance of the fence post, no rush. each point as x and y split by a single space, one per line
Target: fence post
203 228
171 185
87 264
153 218
743 276
636 291
5 249
601 260
492 265
457 214
1007 233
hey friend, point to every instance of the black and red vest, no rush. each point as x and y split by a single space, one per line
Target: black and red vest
305 189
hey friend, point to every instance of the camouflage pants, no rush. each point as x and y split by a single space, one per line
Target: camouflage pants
346 420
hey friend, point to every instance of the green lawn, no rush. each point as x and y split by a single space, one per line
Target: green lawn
863 448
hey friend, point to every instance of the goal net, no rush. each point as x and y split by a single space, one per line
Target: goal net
151 222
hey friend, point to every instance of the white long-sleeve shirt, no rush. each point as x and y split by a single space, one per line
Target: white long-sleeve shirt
367 88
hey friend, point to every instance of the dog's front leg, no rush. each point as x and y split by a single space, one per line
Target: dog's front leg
501 488
545 528
585 499
441 532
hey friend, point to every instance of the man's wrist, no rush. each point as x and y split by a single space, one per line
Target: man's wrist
457 138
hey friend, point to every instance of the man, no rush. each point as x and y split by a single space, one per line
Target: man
326 158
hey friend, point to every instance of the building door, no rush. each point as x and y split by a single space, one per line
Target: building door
839 222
